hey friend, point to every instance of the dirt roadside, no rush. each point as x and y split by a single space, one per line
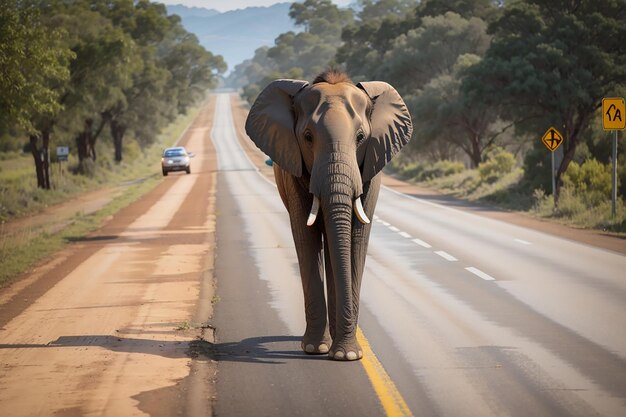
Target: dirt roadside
115 324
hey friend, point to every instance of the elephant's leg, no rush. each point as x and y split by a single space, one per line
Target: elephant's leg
308 243
310 258
345 346
330 290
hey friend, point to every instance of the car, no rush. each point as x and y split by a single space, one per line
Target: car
176 159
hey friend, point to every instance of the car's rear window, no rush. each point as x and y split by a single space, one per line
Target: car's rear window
174 152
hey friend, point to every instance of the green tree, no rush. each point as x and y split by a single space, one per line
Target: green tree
433 49
550 63
366 40
486 10
34 65
173 71
443 113
303 54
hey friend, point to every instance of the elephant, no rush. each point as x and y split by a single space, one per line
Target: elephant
328 141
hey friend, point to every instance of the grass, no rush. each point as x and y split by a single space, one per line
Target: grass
19 196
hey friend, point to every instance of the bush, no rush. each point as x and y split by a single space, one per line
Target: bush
440 169
411 170
498 163
591 182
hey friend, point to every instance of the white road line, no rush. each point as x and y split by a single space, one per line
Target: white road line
394 229
523 242
480 273
405 234
385 224
421 243
446 256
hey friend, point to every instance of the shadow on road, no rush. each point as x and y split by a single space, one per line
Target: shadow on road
266 349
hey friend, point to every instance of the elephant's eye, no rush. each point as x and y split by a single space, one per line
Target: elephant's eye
360 137
308 136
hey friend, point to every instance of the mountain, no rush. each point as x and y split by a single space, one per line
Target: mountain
184 11
236 34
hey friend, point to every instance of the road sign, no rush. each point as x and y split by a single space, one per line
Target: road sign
613 113
62 153
552 139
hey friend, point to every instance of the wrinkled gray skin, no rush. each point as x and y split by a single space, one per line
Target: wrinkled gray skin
330 141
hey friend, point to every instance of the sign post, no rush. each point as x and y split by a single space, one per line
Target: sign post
614 118
552 139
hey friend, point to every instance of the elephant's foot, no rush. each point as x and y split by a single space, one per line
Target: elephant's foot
347 351
315 346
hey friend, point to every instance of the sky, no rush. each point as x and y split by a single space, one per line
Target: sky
226 5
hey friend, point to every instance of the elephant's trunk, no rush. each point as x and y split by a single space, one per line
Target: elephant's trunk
337 206
337 183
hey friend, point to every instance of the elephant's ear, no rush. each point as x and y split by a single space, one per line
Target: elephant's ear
271 122
391 127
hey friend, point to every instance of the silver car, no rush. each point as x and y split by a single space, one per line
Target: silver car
175 159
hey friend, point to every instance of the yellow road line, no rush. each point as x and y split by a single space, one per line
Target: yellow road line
389 396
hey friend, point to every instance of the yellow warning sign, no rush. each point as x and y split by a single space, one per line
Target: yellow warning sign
552 139
613 113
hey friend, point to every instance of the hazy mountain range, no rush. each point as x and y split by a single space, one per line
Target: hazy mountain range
236 34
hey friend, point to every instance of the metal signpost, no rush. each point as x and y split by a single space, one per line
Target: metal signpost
614 118
552 139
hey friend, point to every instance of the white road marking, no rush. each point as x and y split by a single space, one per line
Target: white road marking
421 243
523 242
446 256
405 234
480 273
394 229
385 224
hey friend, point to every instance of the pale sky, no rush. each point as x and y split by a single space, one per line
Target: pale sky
225 5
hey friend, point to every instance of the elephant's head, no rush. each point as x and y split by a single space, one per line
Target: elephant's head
337 133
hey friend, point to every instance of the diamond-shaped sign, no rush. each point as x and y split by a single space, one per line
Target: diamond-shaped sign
552 139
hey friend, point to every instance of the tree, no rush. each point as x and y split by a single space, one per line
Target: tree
174 71
443 113
34 64
433 49
366 40
305 53
486 10
551 63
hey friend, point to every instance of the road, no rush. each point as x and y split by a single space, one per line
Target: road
462 315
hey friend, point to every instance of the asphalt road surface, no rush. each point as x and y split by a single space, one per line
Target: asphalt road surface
462 315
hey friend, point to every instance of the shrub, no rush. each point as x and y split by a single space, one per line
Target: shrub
440 169
498 163
591 182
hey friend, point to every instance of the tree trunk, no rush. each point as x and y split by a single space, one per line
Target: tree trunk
476 154
45 156
41 159
86 141
82 147
37 159
117 132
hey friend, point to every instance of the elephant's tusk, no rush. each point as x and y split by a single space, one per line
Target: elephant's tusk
314 209
360 213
